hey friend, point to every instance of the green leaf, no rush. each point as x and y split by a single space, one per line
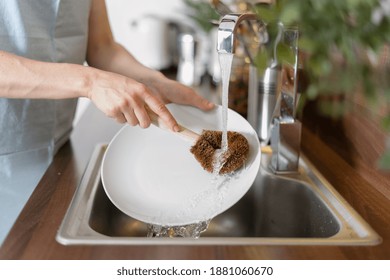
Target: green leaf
386 92
285 54
267 13
312 91
319 68
386 123
306 44
384 161
301 103
261 61
291 13
202 13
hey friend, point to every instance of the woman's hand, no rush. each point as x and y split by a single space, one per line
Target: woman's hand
170 91
125 95
125 99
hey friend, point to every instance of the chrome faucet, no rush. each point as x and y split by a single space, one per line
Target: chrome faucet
286 129
227 31
271 107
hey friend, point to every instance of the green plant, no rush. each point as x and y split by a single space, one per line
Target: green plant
202 13
344 42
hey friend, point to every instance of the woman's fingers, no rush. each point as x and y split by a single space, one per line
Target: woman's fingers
133 108
121 118
125 99
200 102
162 111
130 117
142 117
182 94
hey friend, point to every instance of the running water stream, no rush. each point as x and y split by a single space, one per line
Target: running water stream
225 61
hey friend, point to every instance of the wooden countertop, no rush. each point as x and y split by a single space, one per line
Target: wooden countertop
33 235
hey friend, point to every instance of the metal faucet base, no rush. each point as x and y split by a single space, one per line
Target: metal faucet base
285 145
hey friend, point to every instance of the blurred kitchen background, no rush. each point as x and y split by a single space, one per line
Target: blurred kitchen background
164 35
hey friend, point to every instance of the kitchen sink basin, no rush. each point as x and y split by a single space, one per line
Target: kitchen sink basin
295 209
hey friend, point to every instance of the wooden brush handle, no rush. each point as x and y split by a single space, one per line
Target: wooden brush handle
184 132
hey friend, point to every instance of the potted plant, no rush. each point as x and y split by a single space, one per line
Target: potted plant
346 50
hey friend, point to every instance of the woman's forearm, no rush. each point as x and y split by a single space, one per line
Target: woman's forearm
25 78
117 83
115 58
119 97
104 53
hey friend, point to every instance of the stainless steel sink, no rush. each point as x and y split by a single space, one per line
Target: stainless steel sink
299 209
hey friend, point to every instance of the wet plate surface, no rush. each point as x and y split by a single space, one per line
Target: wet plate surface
151 175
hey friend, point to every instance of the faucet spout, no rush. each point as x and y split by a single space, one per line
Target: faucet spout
272 95
228 28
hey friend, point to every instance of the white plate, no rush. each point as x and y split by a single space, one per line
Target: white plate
151 175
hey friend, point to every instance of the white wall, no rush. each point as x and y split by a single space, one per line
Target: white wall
139 27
